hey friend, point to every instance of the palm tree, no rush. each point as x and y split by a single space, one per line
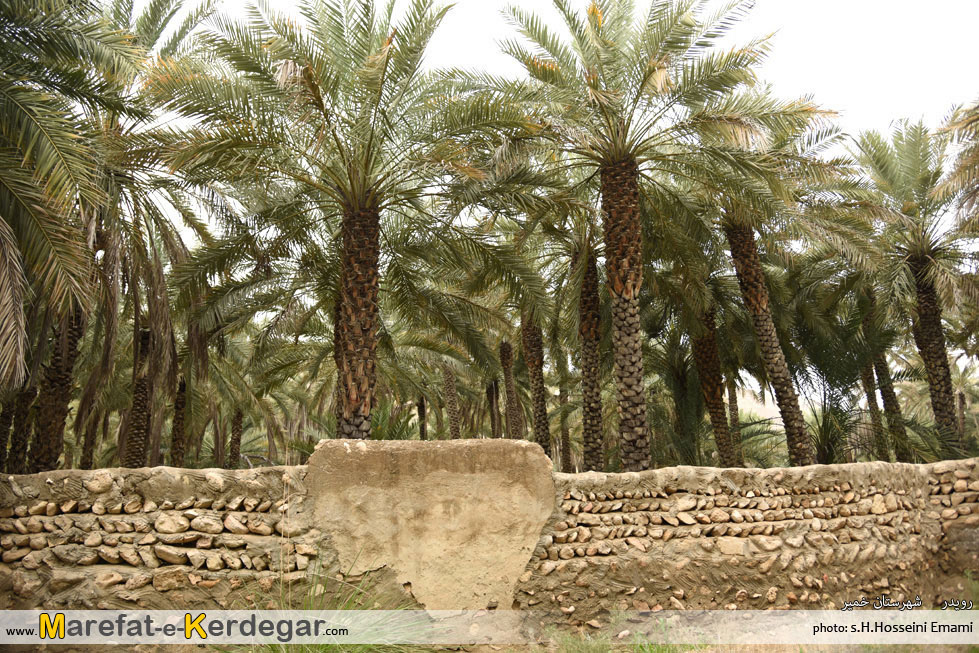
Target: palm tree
59 60
892 409
964 128
178 433
512 410
233 459
636 102
343 110
451 396
813 199
55 394
693 283
533 353
754 291
708 361
923 257
589 333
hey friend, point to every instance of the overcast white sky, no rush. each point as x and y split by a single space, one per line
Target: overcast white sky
873 61
870 60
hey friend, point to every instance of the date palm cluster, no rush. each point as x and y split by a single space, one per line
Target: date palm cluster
225 237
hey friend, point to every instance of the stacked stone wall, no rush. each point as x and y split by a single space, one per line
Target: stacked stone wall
674 538
709 538
152 538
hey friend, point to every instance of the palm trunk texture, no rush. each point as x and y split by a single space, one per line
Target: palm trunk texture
533 353
422 419
20 435
623 262
139 415
892 410
493 399
751 279
55 395
562 398
359 284
929 336
234 449
589 316
451 402
178 435
88 444
879 441
514 418
734 418
708 361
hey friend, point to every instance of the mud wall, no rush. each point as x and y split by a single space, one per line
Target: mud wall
473 524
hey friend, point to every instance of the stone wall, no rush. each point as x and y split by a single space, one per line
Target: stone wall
472 524
708 538
152 538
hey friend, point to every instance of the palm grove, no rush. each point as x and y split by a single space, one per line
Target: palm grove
224 238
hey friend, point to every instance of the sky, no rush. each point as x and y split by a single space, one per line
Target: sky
873 61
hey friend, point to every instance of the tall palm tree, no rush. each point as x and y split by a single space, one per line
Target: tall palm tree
708 361
451 396
589 333
693 282
636 101
342 109
754 291
532 342
813 200
923 254
512 410
133 231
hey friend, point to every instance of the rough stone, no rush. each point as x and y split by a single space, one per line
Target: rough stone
171 523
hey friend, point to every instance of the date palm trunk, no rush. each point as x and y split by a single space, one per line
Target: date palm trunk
451 402
138 424
961 415
533 353
493 400
234 448
88 444
422 418
338 392
708 362
220 441
20 436
359 284
562 399
514 418
879 440
178 430
751 279
734 418
623 262
55 395
6 420
589 331
929 336
892 410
